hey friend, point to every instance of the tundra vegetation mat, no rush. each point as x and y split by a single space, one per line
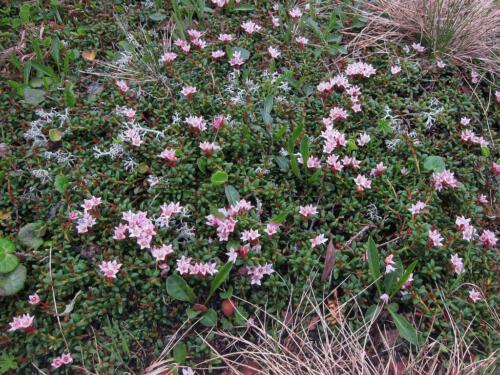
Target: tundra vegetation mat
163 160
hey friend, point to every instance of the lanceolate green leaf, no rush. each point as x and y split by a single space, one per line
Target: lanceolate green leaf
373 260
219 278
404 278
405 329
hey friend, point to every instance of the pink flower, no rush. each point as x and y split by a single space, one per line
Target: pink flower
250 235
183 265
236 60
302 41
418 47
351 162
418 207
73 215
474 76
127 112
482 199
226 37
497 96
161 253
274 52
34 299
334 163
443 180
23 322
219 3
122 86
63 359
440 64
308 210
196 123
435 238
474 295
457 263
384 298
250 27
295 12
208 148
363 139
333 140
85 222
313 162
133 136
275 21
360 69
169 155
110 269
120 232
168 57
218 122
189 91
488 239
362 183
389 264
379 169
183 45
496 168
258 272
199 43
462 222
232 255
272 229
395 69
337 113
318 240
90 204
216 55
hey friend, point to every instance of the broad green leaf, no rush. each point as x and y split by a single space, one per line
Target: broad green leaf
294 165
61 183
219 178
405 329
55 50
232 195
293 138
157 16
12 282
434 163
282 163
8 262
209 318
281 217
219 279
268 104
404 277
178 288
55 135
31 235
280 132
69 96
44 70
7 246
180 352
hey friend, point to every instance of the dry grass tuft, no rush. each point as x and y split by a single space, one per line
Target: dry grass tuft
316 338
466 32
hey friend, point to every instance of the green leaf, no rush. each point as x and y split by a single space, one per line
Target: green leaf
180 352
282 163
33 96
405 329
55 50
219 178
219 279
485 151
232 195
404 277
178 288
294 165
61 183
304 150
7 362
293 138
25 12
55 135
31 235
7 246
244 53
244 8
44 70
434 163
384 126
209 318
268 104
281 217
157 16
373 260
8 262
69 96
227 294
13 282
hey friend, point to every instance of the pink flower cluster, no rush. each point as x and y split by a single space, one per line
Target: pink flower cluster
184 266
195 37
168 57
86 220
196 123
133 137
338 82
468 136
161 253
360 69
443 180
333 139
23 322
258 272
463 224
110 269
63 359
139 226
435 238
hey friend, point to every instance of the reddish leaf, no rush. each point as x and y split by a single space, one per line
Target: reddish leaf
329 260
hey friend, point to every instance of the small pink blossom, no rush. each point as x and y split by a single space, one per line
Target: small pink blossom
183 265
318 240
258 272
250 27
274 52
226 37
183 45
189 91
417 208
122 86
73 215
272 229
295 12
23 322
444 179
360 69
90 204
457 263
379 169
308 210
302 41
389 264
362 183
250 235
496 168
216 55
435 238
337 113
63 359
169 155
418 47
196 123
334 163
208 148
384 298
363 139
110 268
218 122
236 60
232 255
34 299
275 21
395 69
168 57
440 64
474 295
161 253
488 239
120 232
313 162
351 162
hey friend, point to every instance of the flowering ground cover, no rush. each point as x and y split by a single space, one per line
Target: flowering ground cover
164 161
